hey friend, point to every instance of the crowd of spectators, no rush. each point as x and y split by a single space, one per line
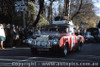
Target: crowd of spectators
15 35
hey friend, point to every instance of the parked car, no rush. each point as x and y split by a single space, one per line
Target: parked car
97 38
88 37
57 38
94 34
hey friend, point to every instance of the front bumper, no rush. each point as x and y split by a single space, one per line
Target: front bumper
41 43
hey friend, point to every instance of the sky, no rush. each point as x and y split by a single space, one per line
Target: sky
95 2
97 7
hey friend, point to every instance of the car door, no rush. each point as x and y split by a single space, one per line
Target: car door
72 37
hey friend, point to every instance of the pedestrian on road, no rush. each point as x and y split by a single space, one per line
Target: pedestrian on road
2 36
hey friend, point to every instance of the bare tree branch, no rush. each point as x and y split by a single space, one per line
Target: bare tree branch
41 5
77 11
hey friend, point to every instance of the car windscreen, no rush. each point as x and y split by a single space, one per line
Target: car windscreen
57 29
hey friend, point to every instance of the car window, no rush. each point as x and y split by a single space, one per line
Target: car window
59 29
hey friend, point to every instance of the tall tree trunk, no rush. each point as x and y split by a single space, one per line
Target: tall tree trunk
41 5
60 8
50 11
66 7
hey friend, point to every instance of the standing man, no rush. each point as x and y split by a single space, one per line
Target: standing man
8 35
2 36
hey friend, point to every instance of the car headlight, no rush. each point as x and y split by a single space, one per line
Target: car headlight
43 43
33 42
29 41
38 43
55 41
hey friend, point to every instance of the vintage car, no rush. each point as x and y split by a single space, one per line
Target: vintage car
57 38
88 37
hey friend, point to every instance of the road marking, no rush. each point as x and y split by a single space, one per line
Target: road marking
5 64
45 59
51 59
90 56
14 48
64 59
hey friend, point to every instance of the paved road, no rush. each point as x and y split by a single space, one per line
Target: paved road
89 56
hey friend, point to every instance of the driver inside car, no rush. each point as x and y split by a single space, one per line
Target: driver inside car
67 30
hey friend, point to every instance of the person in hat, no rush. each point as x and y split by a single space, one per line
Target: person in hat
2 36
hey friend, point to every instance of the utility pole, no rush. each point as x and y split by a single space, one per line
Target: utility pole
20 7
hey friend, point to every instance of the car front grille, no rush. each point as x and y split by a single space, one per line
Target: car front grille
42 43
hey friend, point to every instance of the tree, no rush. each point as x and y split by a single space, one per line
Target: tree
32 13
80 6
50 11
41 5
60 8
66 5
7 11
86 15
